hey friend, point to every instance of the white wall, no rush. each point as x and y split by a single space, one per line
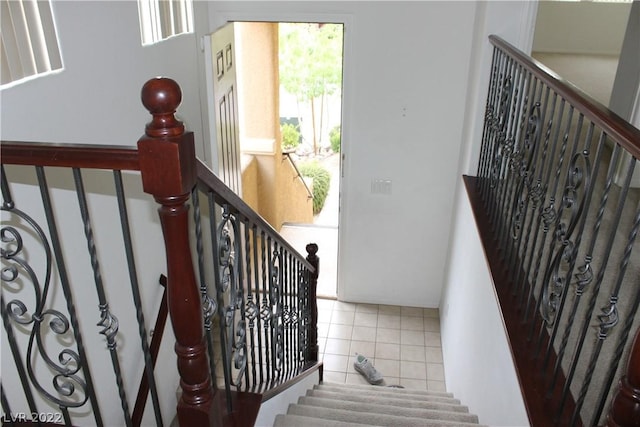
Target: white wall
96 99
279 404
580 27
478 363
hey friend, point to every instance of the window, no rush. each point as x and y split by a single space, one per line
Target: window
28 41
161 19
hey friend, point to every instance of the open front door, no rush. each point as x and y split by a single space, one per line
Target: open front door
225 107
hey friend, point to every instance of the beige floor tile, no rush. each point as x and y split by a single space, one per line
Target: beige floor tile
325 304
413 384
431 324
413 353
337 346
403 343
344 306
321 344
391 381
389 321
431 312
335 362
387 367
432 339
342 317
433 355
334 377
324 316
340 331
356 378
366 319
412 323
366 348
436 386
364 333
323 329
387 351
435 372
367 308
388 335
413 370
411 337
389 309
411 311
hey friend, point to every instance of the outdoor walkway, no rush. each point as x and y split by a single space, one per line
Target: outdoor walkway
323 232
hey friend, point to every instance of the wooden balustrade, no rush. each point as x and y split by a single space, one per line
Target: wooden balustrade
167 163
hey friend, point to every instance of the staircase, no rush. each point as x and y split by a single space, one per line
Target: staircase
342 405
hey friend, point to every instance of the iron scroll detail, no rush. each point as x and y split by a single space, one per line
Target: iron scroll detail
68 388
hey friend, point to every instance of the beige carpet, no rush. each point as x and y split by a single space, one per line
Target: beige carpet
594 74
342 405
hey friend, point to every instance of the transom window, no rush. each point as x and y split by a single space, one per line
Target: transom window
161 19
28 41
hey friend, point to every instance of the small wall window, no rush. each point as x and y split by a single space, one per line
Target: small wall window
161 19
28 40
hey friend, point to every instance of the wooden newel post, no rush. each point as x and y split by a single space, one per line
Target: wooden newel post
167 163
625 405
312 250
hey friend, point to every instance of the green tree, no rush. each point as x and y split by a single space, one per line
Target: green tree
311 64
290 136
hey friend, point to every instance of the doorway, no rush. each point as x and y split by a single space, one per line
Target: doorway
310 70
308 111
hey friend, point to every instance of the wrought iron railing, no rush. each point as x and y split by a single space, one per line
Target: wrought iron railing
298 174
559 218
51 258
244 319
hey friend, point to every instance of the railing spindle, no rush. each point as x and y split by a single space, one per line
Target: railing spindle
312 345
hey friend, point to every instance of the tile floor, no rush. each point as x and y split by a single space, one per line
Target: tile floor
402 342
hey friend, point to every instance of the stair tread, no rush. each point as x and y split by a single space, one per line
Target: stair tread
288 420
391 392
371 418
386 409
399 401
392 389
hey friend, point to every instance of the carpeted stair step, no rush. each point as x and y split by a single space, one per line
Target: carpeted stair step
400 402
401 393
345 405
385 409
289 420
369 418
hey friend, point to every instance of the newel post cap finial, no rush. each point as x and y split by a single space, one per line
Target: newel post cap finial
161 96
312 249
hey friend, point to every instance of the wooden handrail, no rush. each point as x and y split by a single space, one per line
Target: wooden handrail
69 155
621 131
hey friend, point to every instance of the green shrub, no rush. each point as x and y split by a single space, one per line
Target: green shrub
321 180
290 136
334 139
